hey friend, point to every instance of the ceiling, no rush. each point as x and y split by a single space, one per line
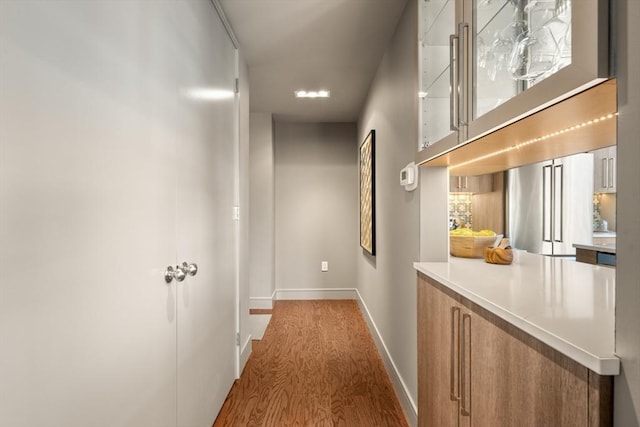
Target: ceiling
312 44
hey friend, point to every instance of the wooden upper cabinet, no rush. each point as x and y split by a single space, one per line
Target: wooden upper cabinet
604 179
471 184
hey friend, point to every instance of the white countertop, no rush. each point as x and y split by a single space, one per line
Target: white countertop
604 234
566 304
599 247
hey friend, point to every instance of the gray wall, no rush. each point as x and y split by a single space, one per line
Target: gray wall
627 385
387 282
262 213
316 204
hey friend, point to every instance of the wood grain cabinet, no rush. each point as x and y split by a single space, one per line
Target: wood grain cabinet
604 179
471 184
476 369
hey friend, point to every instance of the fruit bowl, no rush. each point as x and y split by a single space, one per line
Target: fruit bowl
470 244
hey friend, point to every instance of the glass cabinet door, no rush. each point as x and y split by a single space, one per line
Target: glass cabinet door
485 64
517 43
528 54
437 22
497 26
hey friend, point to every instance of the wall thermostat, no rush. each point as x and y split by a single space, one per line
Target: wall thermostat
409 177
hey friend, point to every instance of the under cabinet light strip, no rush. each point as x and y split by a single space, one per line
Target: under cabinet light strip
538 139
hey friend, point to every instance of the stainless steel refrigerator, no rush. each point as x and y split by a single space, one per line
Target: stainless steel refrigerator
550 205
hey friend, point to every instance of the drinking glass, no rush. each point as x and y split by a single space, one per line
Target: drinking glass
539 51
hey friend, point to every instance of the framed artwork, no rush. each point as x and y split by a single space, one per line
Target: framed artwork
368 193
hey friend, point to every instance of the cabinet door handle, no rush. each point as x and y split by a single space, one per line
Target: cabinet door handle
605 173
463 73
466 182
464 378
455 321
610 173
547 203
453 83
558 208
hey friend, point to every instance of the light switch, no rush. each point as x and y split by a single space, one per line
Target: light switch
325 265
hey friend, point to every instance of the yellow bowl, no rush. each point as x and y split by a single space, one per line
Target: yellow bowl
470 246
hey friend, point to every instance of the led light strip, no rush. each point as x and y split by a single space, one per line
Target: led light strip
538 139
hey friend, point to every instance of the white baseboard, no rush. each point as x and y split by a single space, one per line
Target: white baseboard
262 302
316 293
245 352
407 403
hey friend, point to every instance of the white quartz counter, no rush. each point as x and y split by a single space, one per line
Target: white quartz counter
566 304
597 234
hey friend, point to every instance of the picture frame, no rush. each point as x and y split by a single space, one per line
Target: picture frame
368 193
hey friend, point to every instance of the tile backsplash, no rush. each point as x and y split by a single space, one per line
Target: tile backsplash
604 208
460 207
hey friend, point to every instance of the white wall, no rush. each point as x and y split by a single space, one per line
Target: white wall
316 204
387 282
262 212
244 175
627 384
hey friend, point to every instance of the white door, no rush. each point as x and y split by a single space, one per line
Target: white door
102 154
205 226
87 214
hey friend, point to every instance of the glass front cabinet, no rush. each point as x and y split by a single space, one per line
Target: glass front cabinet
487 63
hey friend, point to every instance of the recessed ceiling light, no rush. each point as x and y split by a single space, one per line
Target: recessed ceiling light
312 93
209 94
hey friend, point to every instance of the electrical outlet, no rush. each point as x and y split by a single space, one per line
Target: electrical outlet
325 266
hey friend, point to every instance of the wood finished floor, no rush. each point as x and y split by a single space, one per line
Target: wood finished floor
316 365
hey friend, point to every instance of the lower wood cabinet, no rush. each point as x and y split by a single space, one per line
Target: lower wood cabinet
476 369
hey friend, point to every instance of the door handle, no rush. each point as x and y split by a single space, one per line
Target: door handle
170 273
547 204
454 91
465 410
463 74
190 269
558 203
453 394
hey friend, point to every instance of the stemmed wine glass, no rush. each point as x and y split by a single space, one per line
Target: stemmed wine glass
504 42
539 52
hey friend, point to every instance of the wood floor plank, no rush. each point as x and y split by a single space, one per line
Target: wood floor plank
260 311
316 365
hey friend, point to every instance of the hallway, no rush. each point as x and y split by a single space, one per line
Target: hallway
316 365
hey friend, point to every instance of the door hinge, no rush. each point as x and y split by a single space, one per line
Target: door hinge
238 338
237 89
